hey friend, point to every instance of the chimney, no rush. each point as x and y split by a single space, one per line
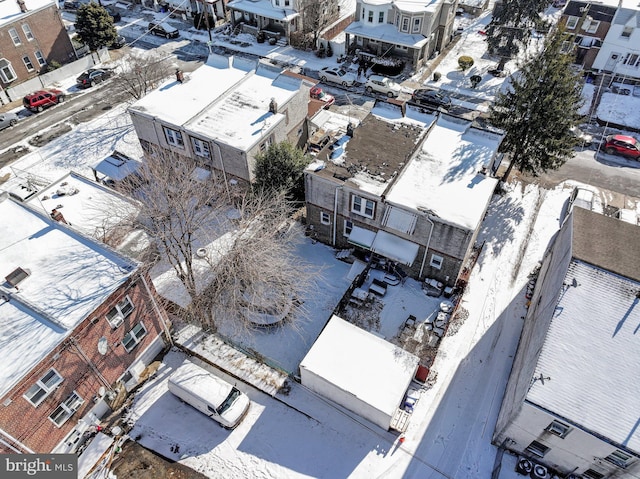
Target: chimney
273 106
23 6
179 75
56 215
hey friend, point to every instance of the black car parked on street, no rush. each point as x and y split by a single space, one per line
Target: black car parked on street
430 98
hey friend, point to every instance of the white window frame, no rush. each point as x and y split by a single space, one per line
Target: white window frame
201 147
173 137
27 32
134 336
40 385
417 23
590 26
347 227
380 17
325 218
28 64
436 261
66 409
404 25
619 458
572 23
558 428
370 16
15 38
40 58
359 206
120 311
538 449
632 60
363 14
7 68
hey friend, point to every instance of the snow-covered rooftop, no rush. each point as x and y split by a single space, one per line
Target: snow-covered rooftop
69 277
263 8
388 33
358 362
443 178
10 10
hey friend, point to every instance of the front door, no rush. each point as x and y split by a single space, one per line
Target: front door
612 62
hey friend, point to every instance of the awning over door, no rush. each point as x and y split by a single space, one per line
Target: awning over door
395 248
361 237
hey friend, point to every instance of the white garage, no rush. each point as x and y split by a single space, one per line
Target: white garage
359 371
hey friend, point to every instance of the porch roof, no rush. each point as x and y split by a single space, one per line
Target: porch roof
395 248
263 8
386 33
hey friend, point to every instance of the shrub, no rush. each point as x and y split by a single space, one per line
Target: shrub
437 76
329 50
465 62
321 52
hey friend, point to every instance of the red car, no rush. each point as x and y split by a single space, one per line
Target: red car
318 94
622 145
42 99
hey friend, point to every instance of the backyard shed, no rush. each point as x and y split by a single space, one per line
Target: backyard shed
359 371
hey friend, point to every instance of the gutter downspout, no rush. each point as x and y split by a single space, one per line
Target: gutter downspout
335 213
426 249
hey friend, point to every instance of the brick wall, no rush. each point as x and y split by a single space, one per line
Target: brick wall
31 425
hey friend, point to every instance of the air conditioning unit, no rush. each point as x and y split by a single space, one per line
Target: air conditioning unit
524 466
539 472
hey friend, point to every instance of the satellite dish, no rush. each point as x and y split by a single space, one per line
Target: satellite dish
103 345
102 391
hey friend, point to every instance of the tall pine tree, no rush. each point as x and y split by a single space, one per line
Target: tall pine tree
94 26
538 110
511 25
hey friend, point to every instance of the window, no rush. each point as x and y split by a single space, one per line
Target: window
133 337
626 32
381 17
43 387
362 206
405 25
27 32
325 219
277 3
201 148
287 3
619 458
348 226
14 36
558 428
436 261
370 17
416 25
572 22
266 144
537 448
40 58
120 311
174 137
631 59
567 47
27 63
590 26
363 14
66 409
591 474
146 146
7 72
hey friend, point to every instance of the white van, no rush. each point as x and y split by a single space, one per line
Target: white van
209 394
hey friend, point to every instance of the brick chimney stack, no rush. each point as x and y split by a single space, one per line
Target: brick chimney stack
23 6
56 215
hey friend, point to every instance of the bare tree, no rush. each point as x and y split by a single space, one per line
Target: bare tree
231 249
314 20
142 74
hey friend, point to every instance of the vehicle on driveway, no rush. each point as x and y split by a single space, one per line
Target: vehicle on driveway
585 139
622 145
93 76
71 5
119 42
114 13
337 75
163 30
383 85
430 98
39 100
318 93
8 119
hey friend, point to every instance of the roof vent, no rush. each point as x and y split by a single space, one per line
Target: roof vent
273 106
16 276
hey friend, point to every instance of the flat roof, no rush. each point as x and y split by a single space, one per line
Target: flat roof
10 10
69 277
443 177
358 362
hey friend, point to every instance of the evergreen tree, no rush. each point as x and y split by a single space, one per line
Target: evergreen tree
281 168
511 25
94 26
538 110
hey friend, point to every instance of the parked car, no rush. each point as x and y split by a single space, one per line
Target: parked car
384 85
431 98
622 145
93 76
585 138
209 394
318 93
115 14
71 5
337 75
8 119
163 30
42 99
119 42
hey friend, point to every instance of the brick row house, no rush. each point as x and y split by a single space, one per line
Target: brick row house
80 322
32 35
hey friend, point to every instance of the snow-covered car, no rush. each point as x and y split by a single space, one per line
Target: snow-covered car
318 93
8 119
585 138
383 85
163 30
337 75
